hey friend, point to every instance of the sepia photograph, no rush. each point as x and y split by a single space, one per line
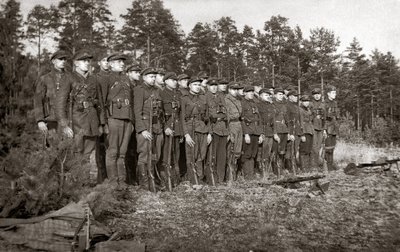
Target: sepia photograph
199 125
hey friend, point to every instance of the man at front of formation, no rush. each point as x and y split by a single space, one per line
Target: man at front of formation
83 94
118 101
149 127
294 130
218 122
331 126
318 110
234 112
194 119
170 97
44 101
251 125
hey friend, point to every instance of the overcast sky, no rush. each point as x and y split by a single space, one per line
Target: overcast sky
375 23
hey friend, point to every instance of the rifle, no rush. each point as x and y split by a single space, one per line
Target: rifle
385 164
193 157
211 164
293 156
322 155
170 142
152 185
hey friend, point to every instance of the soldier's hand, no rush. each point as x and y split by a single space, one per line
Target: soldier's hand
303 139
290 137
169 132
209 139
43 127
324 134
101 130
276 138
319 117
228 138
147 135
68 132
247 139
189 140
106 130
260 139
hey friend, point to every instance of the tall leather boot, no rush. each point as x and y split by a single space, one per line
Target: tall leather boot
121 171
142 176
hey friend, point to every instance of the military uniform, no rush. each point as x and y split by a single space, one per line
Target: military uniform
318 110
332 129
307 131
280 128
147 103
251 125
194 120
294 130
234 112
219 127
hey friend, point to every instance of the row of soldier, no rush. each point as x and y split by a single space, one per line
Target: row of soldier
155 129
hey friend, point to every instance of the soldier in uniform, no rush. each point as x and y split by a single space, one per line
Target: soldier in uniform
196 130
183 80
44 100
318 110
240 91
148 108
133 73
223 86
251 125
203 76
307 131
267 111
331 126
219 128
294 130
85 106
159 83
170 97
117 95
235 138
281 130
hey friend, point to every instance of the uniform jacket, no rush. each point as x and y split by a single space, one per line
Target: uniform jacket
145 97
306 121
267 113
318 110
332 114
87 110
101 79
218 113
46 91
281 117
251 121
194 111
294 119
117 93
234 107
172 107
183 91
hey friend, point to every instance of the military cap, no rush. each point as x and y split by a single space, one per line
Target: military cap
183 77
161 71
102 55
316 91
133 67
293 92
278 90
149 70
305 98
59 55
241 85
330 88
212 82
264 90
234 85
248 89
170 75
195 80
223 82
116 56
82 55
270 87
202 75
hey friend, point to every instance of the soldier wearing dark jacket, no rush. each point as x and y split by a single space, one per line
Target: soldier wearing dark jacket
194 118
267 113
294 130
219 128
331 126
307 132
80 95
252 130
44 100
118 99
148 104
170 97
318 110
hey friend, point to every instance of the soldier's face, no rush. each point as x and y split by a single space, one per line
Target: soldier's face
82 65
159 79
195 87
117 65
332 95
271 90
279 96
222 87
183 83
306 104
213 88
104 64
170 83
240 92
134 75
292 98
149 79
249 95
317 97
59 63
233 92
265 97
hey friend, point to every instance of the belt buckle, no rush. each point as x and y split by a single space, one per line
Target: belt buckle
126 102
85 104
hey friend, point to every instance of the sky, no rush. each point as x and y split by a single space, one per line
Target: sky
375 23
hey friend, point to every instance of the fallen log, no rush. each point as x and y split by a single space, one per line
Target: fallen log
297 179
383 163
